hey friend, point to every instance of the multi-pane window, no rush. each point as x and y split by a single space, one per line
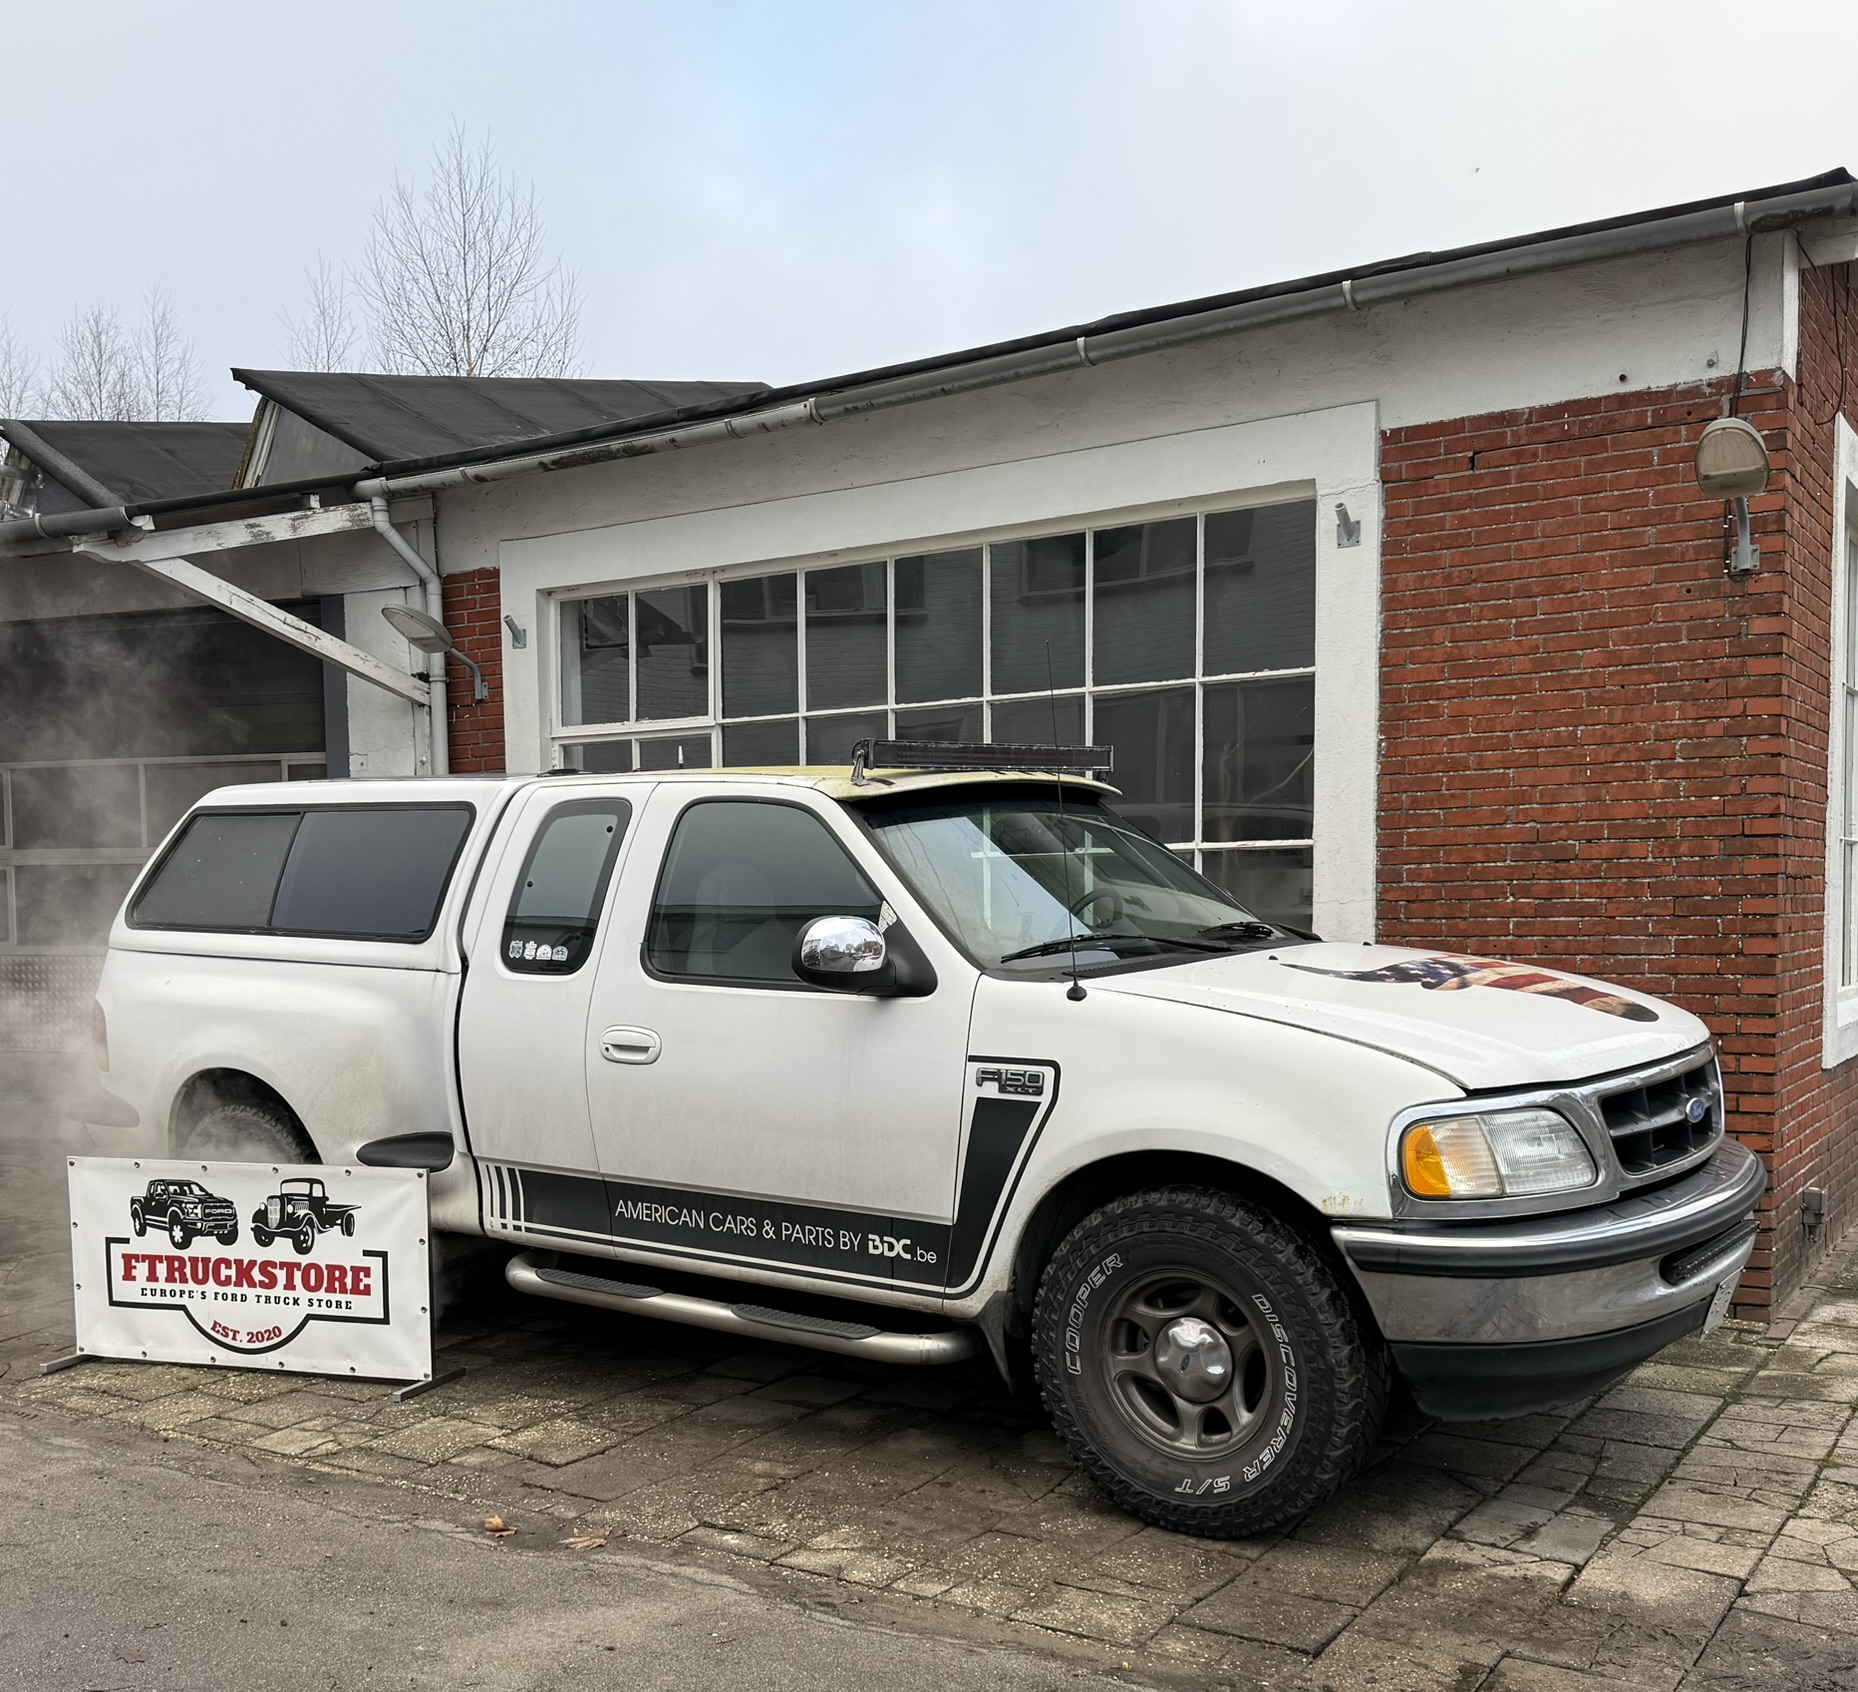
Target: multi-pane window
1844 808
1187 644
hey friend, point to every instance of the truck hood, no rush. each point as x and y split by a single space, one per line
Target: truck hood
1476 1020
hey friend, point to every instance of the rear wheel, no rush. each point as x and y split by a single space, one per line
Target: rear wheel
137 1221
1203 1362
249 1133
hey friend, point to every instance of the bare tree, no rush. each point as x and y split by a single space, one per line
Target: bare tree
94 375
454 281
167 378
324 336
19 373
103 372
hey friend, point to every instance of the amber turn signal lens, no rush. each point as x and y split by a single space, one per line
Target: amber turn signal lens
1423 1168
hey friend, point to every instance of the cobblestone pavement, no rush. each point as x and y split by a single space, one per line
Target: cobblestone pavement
1696 1527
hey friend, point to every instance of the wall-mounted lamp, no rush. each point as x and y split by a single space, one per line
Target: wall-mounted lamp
1347 528
1732 464
429 635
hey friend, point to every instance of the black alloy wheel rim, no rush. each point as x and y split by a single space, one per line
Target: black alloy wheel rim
1192 1370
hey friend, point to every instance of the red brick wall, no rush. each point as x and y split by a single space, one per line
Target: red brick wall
1583 723
474 614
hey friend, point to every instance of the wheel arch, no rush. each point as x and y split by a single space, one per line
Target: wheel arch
1008 1320
209 1090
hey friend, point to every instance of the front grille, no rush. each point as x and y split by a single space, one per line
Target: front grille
1664 1122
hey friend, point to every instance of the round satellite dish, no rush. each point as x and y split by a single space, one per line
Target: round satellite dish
1732 459
423 633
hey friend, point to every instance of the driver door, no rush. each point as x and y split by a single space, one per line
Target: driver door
739 1115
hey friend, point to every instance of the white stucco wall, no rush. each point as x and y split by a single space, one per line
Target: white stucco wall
1277 413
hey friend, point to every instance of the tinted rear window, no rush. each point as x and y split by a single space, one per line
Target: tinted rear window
355 872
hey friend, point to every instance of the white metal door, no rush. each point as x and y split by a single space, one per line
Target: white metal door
780 1125
523 1018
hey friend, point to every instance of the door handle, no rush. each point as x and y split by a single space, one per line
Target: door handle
629 1045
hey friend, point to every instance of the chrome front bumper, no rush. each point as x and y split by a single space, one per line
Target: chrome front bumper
1543 1309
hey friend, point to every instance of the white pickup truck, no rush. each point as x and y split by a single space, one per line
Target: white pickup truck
911 1062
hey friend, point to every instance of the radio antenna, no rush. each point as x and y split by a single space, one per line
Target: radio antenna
1076 990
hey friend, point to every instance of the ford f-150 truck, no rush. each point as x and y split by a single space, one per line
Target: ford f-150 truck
906 1063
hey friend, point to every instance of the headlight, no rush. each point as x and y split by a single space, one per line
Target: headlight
1499 1154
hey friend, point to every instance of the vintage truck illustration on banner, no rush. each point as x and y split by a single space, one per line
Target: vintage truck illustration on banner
299 1210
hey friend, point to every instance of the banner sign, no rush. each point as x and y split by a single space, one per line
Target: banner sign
314 1268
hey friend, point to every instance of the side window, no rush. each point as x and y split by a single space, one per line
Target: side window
222 873
555 909
741 879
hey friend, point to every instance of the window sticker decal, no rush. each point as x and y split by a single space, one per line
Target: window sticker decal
1448 973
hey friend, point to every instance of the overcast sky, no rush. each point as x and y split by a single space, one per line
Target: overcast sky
775 191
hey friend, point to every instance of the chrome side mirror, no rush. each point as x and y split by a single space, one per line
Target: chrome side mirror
840 945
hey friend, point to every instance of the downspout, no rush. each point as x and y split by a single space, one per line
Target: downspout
435 608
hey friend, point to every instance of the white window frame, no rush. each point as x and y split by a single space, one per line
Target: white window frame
1840 998
687 515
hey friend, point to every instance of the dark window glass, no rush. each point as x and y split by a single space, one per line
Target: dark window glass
845 636
1039 722
598 757
301 772
1144 624
1038 602
1273 884
378 874
761 745
949 724
556 908
78 805
68 904
672 627
1260 589
1153 737
1257 778
829 740
761 653
740 881
221 873
679 752
596 660
939 626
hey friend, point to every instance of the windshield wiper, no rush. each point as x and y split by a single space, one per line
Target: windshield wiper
1239 930
1053 948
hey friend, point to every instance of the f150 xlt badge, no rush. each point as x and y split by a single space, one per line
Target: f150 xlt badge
1022 1083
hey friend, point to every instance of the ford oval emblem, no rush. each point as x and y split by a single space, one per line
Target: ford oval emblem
1696 1110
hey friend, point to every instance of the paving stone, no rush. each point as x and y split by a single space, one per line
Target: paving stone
1720 1507
1515 1674
1648 1416
1170 1562
1336 1572
1394 1507
1273 1617
558 1443
1756 1652
1624 1581
1502 1521
1121 1620
861 1568
1479 1596
1357 1661
1458 1454
435 1439
1708 1556
1572 1536
175 1411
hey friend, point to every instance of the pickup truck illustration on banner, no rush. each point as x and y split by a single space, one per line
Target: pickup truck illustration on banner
187 1210
301 1209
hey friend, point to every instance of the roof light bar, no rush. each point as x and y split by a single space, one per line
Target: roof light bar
935 755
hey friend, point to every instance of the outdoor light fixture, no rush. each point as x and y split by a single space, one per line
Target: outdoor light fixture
1732 464
429 635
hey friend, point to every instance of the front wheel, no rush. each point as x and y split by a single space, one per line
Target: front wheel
180 1236
260 1236
1204 1364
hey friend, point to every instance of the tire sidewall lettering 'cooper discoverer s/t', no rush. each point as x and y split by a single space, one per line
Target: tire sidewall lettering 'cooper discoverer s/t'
1235 1287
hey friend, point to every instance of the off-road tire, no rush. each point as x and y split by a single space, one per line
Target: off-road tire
180 1236
227 1236
261 1237
304 1239
249 1133
1322 1372
138 1223
348 1225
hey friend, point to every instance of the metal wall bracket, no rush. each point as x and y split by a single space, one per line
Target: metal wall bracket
1347 528
1744 557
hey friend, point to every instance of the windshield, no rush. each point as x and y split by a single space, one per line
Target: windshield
1020 883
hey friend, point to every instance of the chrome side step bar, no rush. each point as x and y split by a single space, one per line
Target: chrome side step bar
752 1321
